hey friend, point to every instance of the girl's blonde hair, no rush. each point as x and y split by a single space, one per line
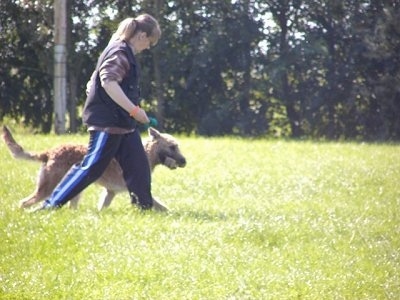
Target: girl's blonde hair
130 26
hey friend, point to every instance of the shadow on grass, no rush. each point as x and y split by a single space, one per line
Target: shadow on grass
132 212
208 216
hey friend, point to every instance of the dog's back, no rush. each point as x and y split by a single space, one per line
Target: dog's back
59 159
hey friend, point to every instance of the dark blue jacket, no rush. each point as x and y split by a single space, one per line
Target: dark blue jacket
100 110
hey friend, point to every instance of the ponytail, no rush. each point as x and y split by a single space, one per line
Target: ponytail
145 23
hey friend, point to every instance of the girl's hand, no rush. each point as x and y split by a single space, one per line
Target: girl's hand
139 115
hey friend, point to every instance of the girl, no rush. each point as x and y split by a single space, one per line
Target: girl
112 112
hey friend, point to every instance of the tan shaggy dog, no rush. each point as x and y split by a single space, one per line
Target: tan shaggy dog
161 149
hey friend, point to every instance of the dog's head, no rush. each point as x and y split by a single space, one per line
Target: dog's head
163 149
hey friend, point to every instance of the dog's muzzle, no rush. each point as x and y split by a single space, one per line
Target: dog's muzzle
173 162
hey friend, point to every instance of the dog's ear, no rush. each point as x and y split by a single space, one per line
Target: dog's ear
153 133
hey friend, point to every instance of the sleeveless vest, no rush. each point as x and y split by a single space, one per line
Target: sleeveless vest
100 110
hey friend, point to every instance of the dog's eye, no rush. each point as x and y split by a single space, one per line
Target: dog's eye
172 148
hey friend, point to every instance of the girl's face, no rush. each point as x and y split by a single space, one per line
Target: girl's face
140 42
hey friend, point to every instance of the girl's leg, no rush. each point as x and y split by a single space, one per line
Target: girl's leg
136 170
102 148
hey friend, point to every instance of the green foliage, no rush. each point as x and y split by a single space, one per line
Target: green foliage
26 60
326 67
249 219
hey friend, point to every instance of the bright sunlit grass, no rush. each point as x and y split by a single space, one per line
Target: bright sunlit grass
249 219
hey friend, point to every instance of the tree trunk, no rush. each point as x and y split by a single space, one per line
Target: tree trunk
60 62
286 94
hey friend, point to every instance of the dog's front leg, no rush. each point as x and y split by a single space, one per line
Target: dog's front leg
73 203
158 206
105 199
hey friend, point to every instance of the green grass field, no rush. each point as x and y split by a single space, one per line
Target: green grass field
249 219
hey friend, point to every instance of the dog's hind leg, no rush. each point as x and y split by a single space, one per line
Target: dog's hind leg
105 199
42 191
31 200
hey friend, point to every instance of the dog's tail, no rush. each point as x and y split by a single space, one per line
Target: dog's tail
17 151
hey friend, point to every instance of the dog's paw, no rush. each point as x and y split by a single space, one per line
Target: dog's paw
22 204
157 206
